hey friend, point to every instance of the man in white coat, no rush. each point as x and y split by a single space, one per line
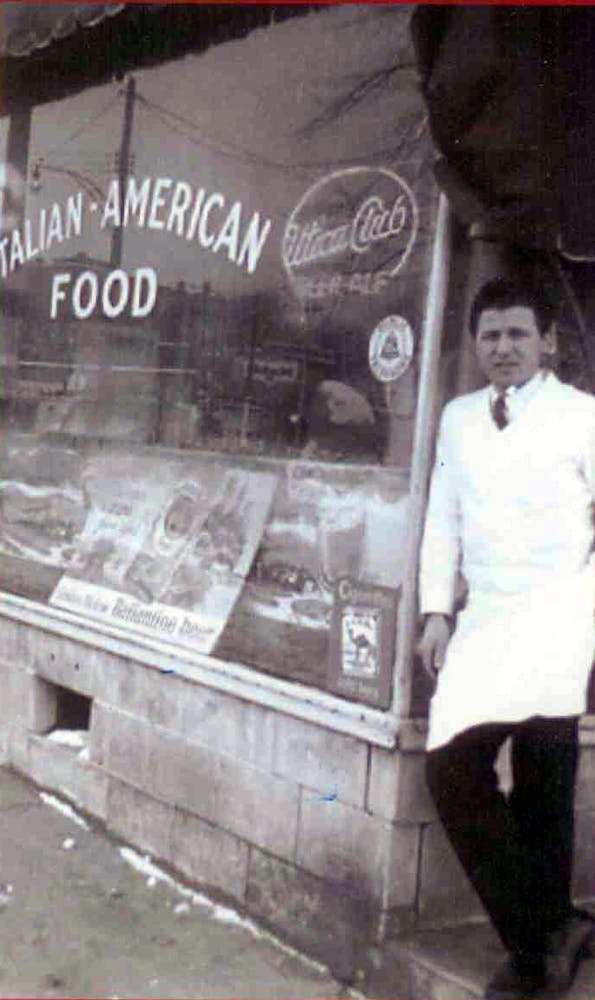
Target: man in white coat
511 510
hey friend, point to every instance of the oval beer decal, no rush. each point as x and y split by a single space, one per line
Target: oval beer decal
350 233
391 348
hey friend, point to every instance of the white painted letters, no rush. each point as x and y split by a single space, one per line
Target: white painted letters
88 279
110 308
58 293
114 294
145 278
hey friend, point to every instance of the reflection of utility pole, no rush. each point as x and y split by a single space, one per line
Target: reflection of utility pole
123 167
12 205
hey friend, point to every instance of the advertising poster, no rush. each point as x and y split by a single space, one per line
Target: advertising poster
157 548
331 533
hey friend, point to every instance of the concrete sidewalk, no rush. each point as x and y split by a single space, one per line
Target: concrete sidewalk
81 918
82 915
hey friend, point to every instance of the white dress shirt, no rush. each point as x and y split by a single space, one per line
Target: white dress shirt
512 510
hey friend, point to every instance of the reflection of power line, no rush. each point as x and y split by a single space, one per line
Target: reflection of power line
192 132
170 119
59 147
88 185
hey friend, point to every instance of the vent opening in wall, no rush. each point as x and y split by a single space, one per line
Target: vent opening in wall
68 718
73 710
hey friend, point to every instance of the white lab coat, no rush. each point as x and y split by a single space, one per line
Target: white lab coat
513 510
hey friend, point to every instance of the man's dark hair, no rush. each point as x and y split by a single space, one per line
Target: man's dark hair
501 293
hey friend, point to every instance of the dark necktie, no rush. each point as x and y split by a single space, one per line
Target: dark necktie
499 411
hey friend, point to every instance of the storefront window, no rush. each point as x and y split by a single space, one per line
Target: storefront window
212 314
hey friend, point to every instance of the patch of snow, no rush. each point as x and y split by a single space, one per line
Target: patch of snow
5 895
77 738
64 808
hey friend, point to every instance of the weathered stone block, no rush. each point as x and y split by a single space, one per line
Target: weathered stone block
321 759
167 772
383 782
50 764
210 855
398 787
312 914
345 846
41 703
126 755
413 735
99 732
255 805
59 768
402 874
8 666
445 895
89 789
227 724
13 642
63 661
258 806
19 748
12 703
144 691
139 818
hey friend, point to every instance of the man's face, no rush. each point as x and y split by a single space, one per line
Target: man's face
509 346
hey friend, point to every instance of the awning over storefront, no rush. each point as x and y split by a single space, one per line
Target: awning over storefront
29 27
49 51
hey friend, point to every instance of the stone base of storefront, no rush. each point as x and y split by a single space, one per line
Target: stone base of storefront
327 838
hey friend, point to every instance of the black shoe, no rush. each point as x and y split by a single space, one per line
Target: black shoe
566 946
517 979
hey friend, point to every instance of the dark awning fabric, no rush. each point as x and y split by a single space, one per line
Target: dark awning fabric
26 27
51 51
510 93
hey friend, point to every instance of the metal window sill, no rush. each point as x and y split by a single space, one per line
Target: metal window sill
369 724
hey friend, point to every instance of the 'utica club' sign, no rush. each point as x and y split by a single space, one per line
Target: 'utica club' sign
350 233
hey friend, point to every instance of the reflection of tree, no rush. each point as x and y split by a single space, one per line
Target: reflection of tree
354 88
357 91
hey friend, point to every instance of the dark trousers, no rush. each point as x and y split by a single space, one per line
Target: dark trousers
516 849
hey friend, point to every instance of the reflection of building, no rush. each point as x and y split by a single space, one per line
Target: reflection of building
235 371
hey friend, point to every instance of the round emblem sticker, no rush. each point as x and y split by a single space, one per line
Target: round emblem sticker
391 348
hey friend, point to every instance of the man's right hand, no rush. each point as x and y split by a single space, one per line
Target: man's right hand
432 645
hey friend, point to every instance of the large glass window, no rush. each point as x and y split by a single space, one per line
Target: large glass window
212 315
